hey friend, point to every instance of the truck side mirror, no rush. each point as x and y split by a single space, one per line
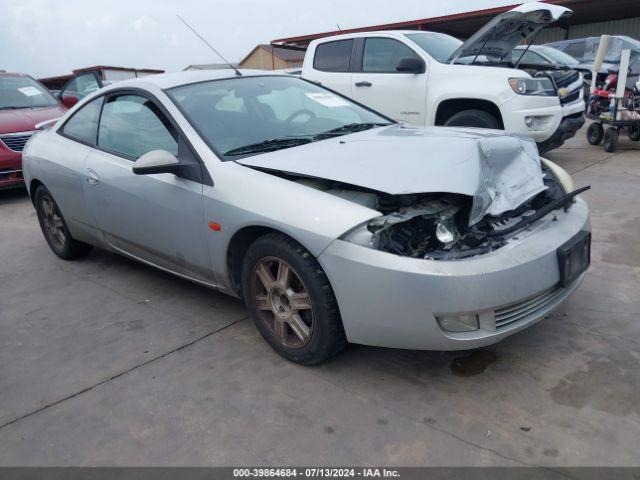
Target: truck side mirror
411 65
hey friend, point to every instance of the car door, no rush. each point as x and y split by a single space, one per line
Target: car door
378 84
158 217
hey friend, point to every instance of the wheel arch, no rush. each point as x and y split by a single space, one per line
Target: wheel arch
33 186
238 246
449 107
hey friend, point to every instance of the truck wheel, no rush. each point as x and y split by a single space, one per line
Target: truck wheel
55 228
595 134
611 140
634 133
291 300
473 118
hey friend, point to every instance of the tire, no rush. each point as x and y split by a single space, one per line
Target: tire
54 228
473 118
611 140
634 134
595 134
316 334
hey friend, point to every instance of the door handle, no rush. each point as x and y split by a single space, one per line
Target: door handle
364 84
92 177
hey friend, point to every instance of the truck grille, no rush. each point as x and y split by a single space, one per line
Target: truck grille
16 141
572 97
570 80
566 79
518 311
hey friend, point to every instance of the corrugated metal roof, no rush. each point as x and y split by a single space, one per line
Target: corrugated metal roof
461 24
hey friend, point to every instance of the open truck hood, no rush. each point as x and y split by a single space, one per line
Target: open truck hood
502 34
500 172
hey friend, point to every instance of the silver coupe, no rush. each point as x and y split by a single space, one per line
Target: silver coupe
334 223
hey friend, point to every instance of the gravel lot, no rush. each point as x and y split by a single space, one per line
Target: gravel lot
105 361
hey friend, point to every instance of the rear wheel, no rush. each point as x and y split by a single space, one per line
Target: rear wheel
55 229
611 140
634 133
473 118
595 134
291 301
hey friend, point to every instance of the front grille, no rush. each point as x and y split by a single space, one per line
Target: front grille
16 142
572 97
518 311
564 79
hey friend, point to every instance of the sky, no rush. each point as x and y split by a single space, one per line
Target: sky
53 37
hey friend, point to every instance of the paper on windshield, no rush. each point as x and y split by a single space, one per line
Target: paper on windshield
29 91
328 100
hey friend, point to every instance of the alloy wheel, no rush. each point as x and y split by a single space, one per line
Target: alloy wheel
283 302
53 222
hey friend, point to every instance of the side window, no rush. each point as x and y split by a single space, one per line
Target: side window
382 55
83 125
132 125
82 85
333 56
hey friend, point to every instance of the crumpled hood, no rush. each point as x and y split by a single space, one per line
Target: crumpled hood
25 119
499 171
502 34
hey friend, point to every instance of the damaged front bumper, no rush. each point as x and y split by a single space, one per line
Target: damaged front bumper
393 301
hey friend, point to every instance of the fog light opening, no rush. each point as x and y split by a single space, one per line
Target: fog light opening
459 323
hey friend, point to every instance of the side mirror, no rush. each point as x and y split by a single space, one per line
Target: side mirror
156 161
69 100
411 65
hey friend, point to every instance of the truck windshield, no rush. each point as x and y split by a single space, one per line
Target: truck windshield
438 45
23 92
251 115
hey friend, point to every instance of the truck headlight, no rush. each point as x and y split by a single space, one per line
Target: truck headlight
533 86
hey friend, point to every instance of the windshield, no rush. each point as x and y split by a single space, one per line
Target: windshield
23 92
250 115
557 56
438 45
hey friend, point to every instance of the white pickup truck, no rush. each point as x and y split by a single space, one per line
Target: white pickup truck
425 78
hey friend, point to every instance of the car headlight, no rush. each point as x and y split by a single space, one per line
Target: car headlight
533 86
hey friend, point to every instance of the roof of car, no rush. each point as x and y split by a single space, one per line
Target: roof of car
12 74
392 33
170 80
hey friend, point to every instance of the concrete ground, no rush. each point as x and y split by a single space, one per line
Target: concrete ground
104 361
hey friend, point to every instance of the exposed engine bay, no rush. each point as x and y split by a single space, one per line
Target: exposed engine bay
437 226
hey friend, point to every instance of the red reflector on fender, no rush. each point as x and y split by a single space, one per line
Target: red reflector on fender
216 227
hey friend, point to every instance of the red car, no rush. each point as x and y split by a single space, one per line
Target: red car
23 103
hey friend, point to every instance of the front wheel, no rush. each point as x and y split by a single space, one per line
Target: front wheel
634 133
595 134
55 228
291 300
473 118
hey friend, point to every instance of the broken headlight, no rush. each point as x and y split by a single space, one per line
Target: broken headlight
411 231
533 86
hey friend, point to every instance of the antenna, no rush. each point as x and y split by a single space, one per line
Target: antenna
209 45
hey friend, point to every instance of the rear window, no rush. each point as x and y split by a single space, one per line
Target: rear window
333 56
